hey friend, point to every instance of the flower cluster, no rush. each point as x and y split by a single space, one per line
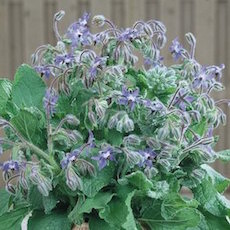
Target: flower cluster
105 134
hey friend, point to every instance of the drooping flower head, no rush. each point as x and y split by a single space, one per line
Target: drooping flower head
129 97
10 165
70 157
79 33
153 106
183 99
67 59
105 155
128 35
176 49
148 155
43 70
98 63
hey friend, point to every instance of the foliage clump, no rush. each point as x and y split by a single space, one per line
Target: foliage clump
98 135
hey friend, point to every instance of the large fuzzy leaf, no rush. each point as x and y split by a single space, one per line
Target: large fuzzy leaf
139 180
92 185
57 220
220 182
5 93
95 223
174 203
224 155
183 219
28 124
28 88
118 213
211 201
97 202
12 220
4 201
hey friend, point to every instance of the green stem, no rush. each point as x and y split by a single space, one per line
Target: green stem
40 153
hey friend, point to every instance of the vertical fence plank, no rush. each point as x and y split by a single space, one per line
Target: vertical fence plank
186 18
101 7
118 14
82 7
70 14
4 37
34 27
152 9
135 9
227 76
170 16
49 9
16 35
204 26
220 57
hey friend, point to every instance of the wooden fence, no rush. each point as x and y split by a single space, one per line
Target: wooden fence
26 24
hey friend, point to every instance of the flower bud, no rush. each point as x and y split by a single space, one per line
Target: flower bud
92 117
148 30
73 181
99 20
61 46
72 120
132 140
59 15
43 189
100 107
34 58
22 181
74 135
218 86
119 126
128 124
151 142
113 122
190 39
10 188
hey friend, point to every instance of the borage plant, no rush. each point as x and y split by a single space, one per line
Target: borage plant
108 143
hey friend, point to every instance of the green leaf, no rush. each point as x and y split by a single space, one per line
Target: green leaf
49 202
216 223
160 189
200 128
220 182
139 180
92 185
203 225
54 221
4 201
183 219
74 215
28 125
97 202
210 199
86 206
173 203
12 220
224 155
118 212
28 88
95 223
113 137
5 92
35 198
